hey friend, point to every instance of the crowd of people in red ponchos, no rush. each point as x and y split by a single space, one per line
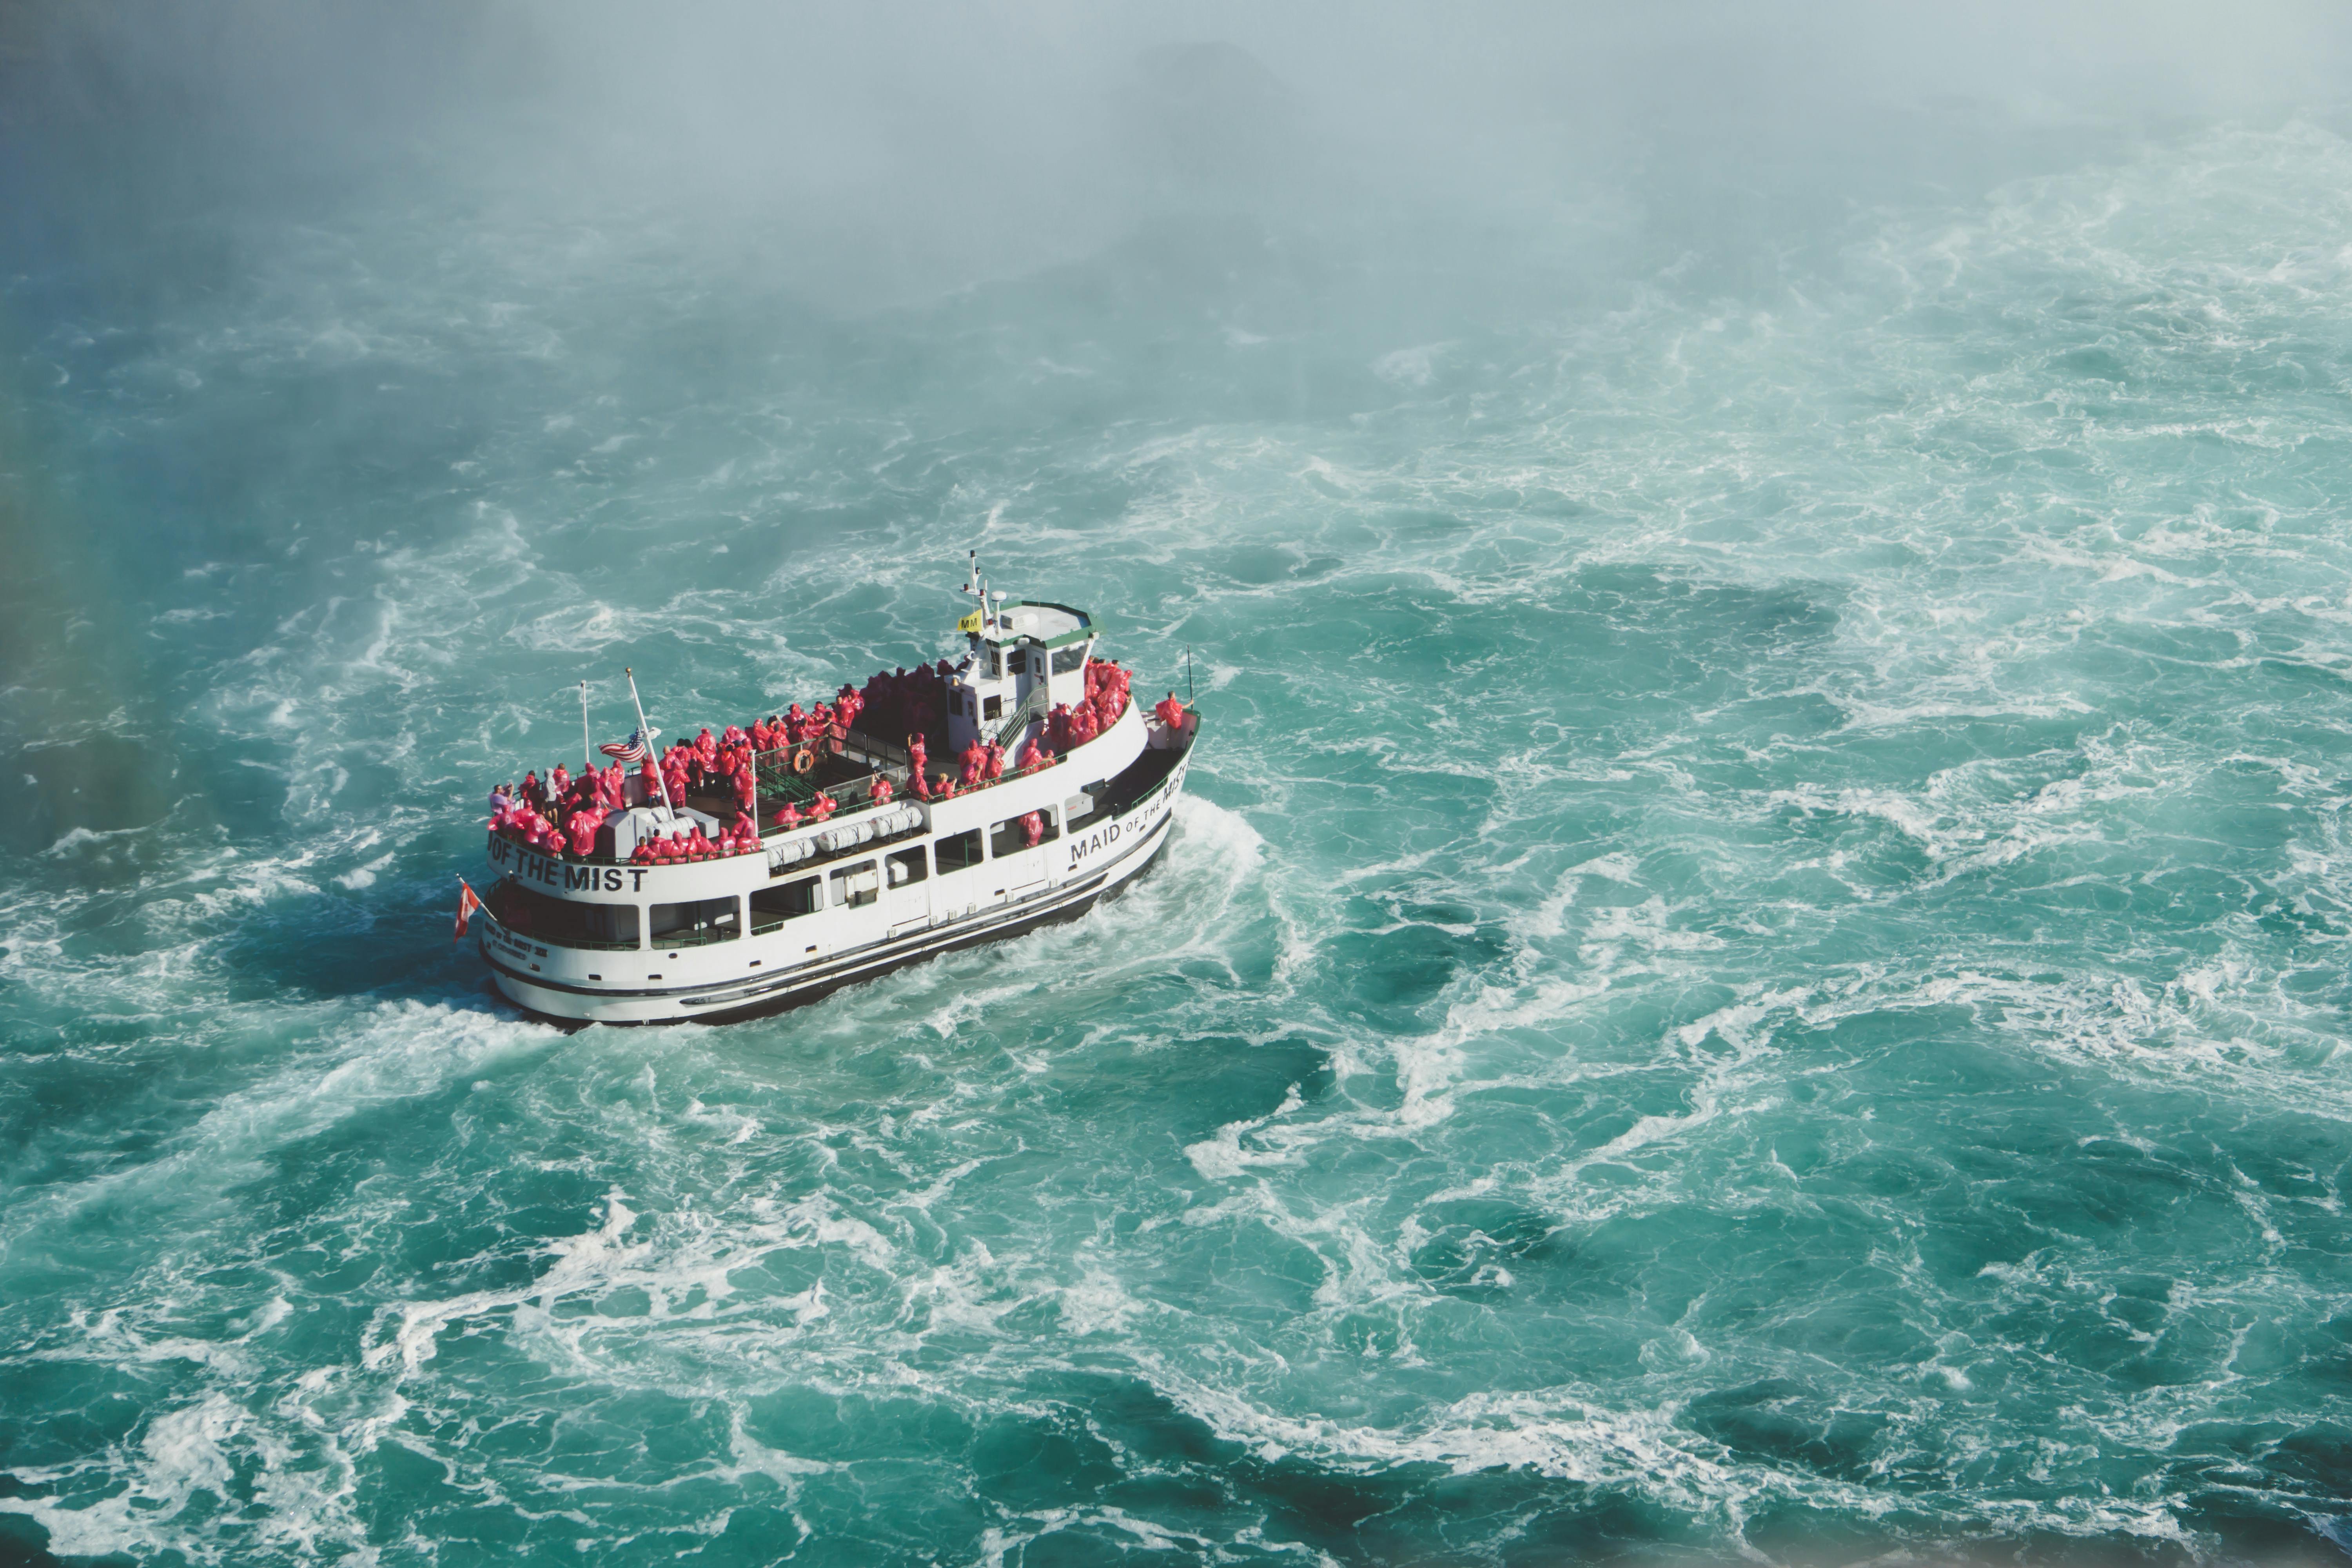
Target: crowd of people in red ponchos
562 813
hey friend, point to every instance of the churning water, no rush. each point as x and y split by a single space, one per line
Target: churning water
1757 963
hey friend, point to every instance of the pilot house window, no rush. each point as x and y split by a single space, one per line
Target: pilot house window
1072 657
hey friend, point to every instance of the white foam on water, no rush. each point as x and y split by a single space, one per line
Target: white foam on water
183 1451
1675 917
407 1334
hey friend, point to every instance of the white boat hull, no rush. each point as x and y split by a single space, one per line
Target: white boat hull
806 958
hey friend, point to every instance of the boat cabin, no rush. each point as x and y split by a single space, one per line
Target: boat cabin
1025 658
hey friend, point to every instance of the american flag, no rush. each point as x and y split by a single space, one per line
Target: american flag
633 749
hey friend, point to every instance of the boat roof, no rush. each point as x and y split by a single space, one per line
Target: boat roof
1050 625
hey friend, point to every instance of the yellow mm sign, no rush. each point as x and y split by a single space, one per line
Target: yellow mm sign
971 623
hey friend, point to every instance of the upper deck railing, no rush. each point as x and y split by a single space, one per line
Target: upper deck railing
776 776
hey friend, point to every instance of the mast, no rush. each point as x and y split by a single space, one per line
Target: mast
587 747
669 812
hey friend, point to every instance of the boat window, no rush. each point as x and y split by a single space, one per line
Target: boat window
771 907
855 887
991 708
958 850
995 666
1073 657
696 921
1011 836
907 865
560 923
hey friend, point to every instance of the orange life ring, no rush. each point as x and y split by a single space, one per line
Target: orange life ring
804 759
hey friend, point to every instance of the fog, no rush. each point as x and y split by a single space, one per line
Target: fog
886 154
1350 178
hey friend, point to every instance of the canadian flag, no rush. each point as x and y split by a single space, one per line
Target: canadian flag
468 902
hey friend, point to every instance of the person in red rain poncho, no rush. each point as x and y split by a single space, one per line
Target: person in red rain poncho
995 768
795 725
559 783
946 789
746 826
820 808
649 775
1033 827
788 816
974 759
584 833
734 736
1169 711
1034 755
879 791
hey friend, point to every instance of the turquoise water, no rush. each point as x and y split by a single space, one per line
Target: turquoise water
1755 964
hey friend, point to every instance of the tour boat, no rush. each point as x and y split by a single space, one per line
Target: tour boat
805 898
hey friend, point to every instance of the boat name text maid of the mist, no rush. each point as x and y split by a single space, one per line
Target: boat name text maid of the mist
1143 819
532 868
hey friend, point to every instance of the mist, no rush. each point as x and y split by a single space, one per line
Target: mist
892 155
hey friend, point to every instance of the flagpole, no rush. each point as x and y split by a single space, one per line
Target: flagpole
587 746
636 702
